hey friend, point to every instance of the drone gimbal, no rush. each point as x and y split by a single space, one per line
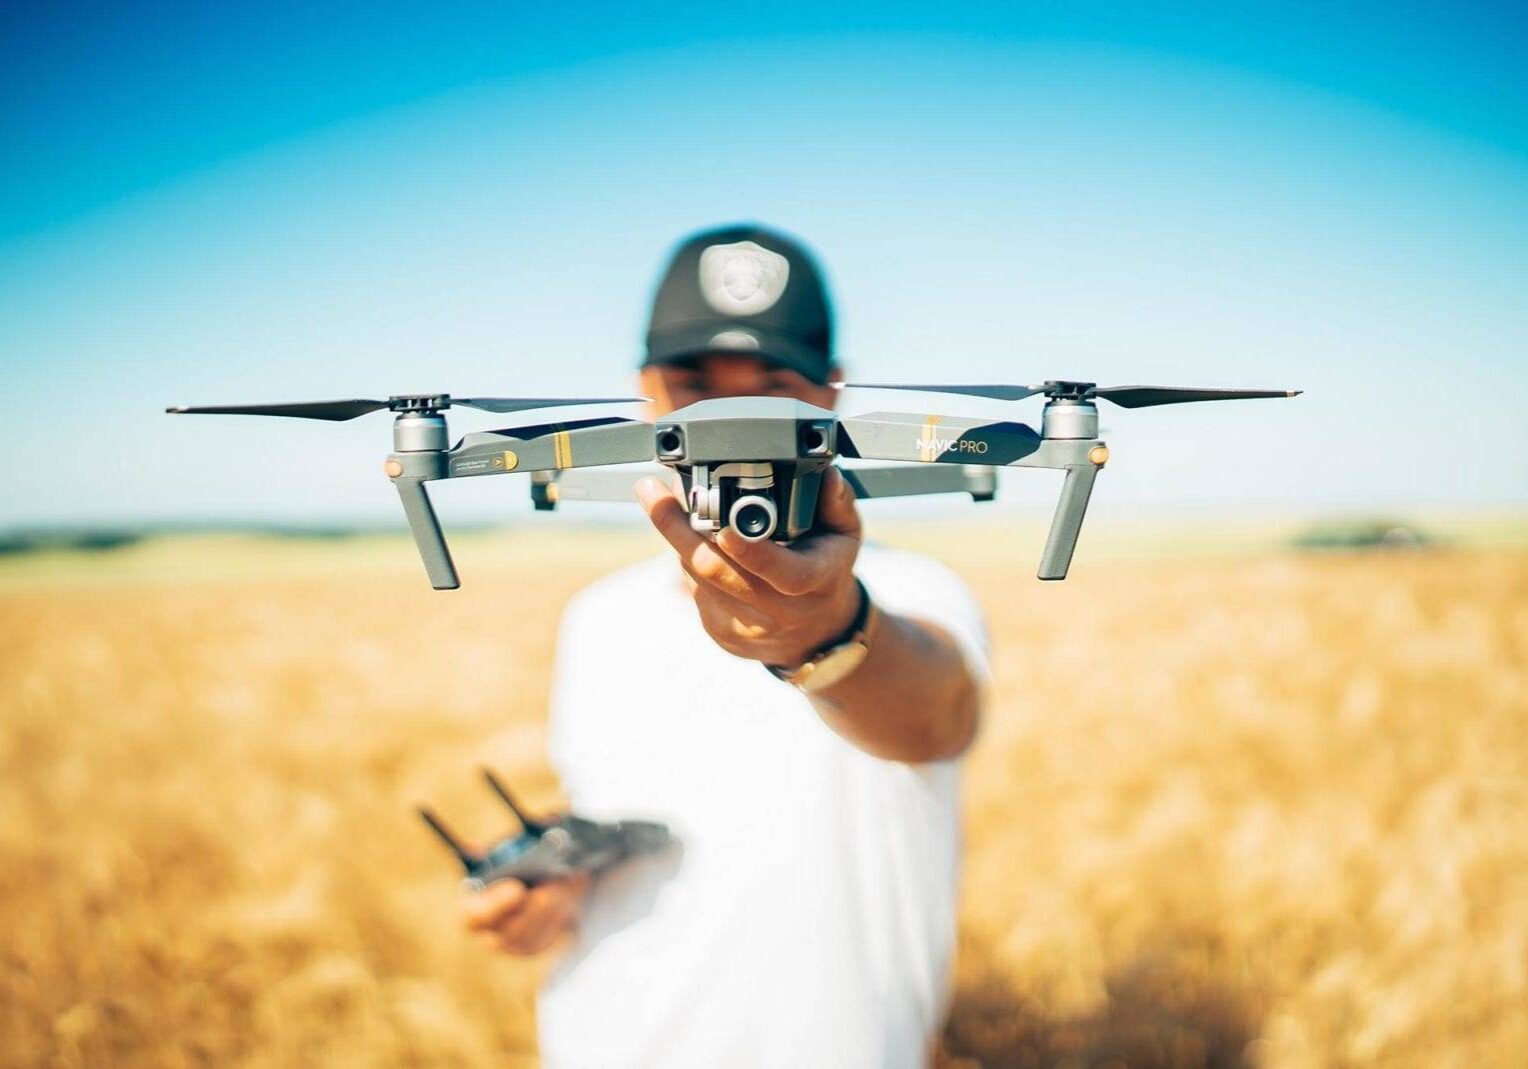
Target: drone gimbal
752 463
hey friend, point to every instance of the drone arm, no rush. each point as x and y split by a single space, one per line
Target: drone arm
1066 523
946 440
427 534
550 488
903 481
552 447
933 439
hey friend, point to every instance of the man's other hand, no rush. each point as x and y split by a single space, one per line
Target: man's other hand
761 600
515 919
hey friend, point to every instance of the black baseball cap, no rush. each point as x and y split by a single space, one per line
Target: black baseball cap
743 289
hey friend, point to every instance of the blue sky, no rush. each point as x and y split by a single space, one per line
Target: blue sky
201 205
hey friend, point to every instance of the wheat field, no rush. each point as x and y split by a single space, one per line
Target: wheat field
1250 809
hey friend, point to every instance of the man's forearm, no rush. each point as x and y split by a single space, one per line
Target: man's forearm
913 698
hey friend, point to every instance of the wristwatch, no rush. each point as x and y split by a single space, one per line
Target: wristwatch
840 657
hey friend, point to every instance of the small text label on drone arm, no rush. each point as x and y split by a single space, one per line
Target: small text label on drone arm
946 445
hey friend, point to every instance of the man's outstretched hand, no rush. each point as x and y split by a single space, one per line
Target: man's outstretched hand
516 919
761 600
913 698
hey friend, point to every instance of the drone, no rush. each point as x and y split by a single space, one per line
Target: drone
755 464
549 849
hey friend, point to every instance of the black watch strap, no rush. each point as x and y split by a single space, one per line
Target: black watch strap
856 625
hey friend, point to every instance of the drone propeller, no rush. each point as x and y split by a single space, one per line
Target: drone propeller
1124 396
330 410
1001 393
336 411
522 404
1149 396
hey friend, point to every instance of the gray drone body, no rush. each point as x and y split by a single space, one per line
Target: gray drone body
550 849
753 463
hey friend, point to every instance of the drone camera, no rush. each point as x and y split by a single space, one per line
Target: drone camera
754 517
742 495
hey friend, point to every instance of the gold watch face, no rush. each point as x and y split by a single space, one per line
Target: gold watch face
832 666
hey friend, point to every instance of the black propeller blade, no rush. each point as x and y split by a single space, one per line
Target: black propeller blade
1001 393
1147 396
351 409
1124 396
522 404
330 410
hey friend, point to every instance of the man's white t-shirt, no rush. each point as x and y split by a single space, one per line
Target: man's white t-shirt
806 915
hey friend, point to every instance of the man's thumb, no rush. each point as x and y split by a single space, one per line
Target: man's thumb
835 504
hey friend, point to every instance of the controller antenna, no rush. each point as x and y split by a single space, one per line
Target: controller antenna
534 827
468 859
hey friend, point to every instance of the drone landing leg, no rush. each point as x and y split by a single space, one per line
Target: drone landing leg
1067 522
427 536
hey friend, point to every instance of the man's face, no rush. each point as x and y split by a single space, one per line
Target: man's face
673 386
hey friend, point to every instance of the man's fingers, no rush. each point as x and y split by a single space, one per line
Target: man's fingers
533 940
522 933
811 564
488 909
668 515
698 556
836 508
712 566
547 911
815 561
515 919
790 571
711 599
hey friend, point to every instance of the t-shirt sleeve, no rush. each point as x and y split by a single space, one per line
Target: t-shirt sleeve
911 584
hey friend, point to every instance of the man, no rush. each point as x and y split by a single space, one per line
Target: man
793 713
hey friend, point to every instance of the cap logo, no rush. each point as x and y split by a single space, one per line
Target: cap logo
741 340
742 278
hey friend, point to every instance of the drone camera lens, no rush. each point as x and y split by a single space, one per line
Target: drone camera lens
754 518
670 442
813 440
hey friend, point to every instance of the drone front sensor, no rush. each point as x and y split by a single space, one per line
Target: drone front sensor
755 464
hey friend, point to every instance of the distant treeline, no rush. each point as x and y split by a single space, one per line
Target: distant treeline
37 541
102 538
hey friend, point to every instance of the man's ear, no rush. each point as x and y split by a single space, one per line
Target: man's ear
650 384
829 399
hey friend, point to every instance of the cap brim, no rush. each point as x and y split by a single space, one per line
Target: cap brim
783 350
